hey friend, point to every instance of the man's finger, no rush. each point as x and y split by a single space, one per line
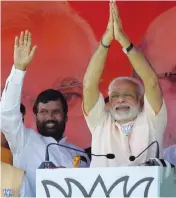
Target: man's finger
25 37
110 22
113 15
21 39
115 10
29 39
32 52
110 14
16 42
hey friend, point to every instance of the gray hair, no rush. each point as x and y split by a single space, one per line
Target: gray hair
140 90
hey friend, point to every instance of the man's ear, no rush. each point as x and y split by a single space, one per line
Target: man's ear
66 118
107 106
34 117
142 101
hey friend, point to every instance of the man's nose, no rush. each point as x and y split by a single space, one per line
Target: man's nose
51 116
120 99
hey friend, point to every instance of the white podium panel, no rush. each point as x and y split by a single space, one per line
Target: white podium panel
104 182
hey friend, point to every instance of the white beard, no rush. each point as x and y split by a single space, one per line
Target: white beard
125 115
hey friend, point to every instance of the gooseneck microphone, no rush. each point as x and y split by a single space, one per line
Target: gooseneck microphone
132 157
109 155
48 164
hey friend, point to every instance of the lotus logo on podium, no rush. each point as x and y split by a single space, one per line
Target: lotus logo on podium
123 181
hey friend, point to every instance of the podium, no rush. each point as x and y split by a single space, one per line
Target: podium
139 181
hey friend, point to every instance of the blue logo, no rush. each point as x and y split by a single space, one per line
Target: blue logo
8 192
126 128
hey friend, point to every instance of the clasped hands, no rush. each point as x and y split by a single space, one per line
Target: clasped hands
114 28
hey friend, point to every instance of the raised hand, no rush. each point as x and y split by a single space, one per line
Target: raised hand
118 30
109 34
23 54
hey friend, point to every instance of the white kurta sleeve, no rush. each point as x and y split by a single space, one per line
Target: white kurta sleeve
11 118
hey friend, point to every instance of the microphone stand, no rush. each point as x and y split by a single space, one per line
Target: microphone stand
49 164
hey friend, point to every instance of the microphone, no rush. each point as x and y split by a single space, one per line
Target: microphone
132 157
109 155
46 164
49 164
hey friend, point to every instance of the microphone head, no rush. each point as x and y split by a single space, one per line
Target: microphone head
110 156
83 158
132 158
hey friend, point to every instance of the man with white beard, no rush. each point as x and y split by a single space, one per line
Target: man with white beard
135 115
125 111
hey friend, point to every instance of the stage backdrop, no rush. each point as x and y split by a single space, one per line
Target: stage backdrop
67 34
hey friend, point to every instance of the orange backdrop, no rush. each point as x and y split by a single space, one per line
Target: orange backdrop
67 34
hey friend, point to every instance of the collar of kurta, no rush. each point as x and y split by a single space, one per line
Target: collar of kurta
52 140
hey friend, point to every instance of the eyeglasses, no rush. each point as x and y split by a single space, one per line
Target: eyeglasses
127 95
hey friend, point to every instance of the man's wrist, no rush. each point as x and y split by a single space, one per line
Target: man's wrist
124 40
104 44
17 75
20 67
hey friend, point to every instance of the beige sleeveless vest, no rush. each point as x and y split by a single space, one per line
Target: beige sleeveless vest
11 180
6 156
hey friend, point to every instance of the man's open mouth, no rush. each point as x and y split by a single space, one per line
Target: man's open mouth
50 125
122 108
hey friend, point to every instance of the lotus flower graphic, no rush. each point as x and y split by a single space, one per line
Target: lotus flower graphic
99 180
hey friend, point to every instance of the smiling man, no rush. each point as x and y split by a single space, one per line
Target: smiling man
137 115
50 110
67 53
